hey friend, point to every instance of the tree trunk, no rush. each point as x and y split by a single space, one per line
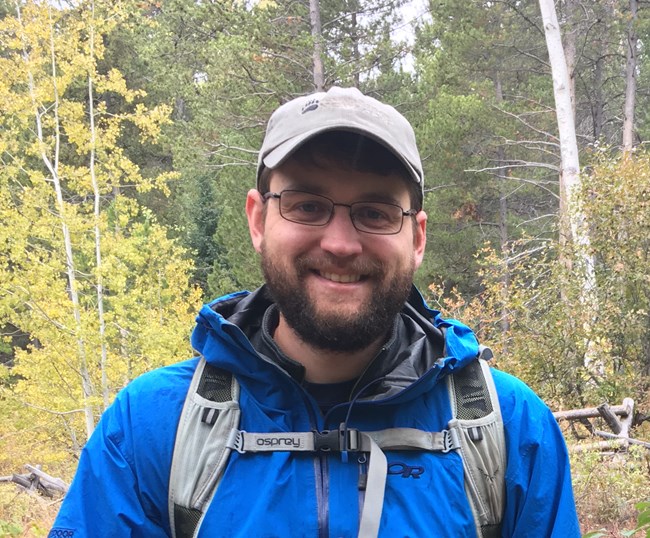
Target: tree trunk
317 36
570 49
52 166
573 228
503 225
598 106
630 79
98 243
356 54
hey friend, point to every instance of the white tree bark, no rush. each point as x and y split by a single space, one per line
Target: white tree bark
573 226
97 207
630 79
317 35
570 49
570 164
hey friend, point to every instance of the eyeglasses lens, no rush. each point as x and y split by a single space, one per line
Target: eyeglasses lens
315 210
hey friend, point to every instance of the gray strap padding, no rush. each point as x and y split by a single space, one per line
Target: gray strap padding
482 444
200 454
413 439
373 503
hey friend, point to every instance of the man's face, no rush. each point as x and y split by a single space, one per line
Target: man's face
338 288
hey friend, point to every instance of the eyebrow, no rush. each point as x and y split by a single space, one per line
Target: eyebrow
370 196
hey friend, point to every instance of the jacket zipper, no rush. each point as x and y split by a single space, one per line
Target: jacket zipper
321 463
321 475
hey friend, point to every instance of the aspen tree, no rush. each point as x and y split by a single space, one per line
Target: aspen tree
631 55
86 271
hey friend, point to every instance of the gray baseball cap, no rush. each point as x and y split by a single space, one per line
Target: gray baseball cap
338 109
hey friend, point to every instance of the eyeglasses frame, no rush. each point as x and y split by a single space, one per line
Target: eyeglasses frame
278 195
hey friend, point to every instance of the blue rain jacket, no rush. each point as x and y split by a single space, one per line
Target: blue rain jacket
121 485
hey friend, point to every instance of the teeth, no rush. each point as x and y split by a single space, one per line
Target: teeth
344 279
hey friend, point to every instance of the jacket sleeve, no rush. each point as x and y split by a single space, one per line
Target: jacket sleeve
539 494
105 498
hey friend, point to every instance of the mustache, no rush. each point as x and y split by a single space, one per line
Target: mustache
305 264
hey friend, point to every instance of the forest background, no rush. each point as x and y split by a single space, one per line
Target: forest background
128 138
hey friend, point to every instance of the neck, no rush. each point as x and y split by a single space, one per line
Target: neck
324 366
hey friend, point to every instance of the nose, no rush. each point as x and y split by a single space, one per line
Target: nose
340 237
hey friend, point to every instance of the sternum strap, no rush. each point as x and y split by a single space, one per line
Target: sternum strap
347 439
343 440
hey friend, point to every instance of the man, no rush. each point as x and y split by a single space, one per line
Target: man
337 335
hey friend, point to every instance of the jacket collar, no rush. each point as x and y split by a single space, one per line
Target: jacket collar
422 348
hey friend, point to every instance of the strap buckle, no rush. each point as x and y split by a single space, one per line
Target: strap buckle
236 440
450 440
341 440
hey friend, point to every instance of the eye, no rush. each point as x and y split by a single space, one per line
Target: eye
306 208
375 216
310 206
371 213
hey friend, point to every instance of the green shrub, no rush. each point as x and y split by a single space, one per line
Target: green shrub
608 490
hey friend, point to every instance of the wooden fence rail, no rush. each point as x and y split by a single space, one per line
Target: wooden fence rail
37 480
617 417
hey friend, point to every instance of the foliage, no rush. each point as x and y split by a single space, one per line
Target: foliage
87 273
10 529
25 515
484 124
617 203
180 92
612 496
531 309
223 89
643 521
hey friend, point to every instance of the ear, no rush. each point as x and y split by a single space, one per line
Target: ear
419 238
255 215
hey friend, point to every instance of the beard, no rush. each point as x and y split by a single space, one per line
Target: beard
337 331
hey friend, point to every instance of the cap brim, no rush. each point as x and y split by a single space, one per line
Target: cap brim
279 154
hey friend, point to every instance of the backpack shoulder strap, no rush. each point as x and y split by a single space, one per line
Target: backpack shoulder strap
210 413
208 432
479 427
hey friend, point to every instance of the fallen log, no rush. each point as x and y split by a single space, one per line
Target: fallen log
630 440
48 481
624 410
620 438
37 480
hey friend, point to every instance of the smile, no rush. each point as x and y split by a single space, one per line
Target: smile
343 279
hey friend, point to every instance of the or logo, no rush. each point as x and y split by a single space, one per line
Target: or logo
405 471
310 105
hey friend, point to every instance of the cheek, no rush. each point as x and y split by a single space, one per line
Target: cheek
405 260
286 239
391 254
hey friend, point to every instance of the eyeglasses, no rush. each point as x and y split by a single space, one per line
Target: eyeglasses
316 210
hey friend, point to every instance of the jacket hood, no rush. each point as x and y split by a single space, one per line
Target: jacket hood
422 348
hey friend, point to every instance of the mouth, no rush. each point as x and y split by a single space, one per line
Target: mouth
341 279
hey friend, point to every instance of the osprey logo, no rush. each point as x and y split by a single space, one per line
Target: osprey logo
405 471
310 105
278 441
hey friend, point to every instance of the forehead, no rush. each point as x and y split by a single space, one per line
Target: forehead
340 182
